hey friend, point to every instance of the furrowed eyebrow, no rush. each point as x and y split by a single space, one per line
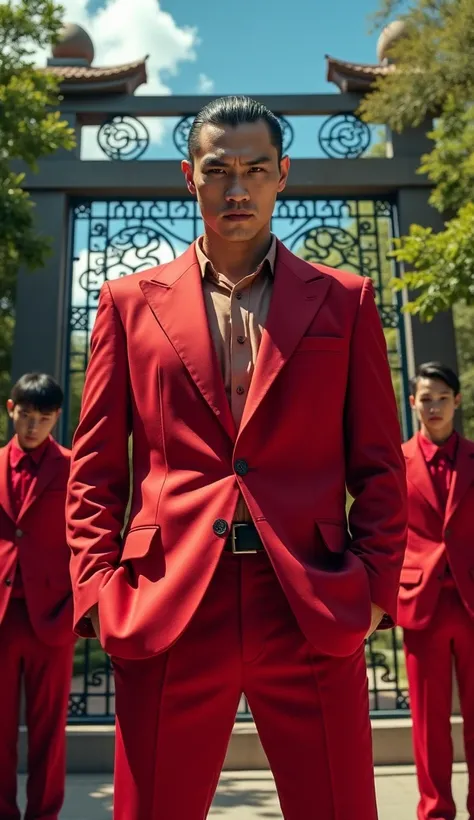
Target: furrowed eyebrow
216 162
263 160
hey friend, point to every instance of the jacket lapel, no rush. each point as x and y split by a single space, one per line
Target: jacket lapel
463 476
175 296
46 473
5 500
299 291
419 477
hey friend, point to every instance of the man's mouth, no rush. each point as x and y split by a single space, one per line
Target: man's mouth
238 216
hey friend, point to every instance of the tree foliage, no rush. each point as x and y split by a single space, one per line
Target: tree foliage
30 129
434 79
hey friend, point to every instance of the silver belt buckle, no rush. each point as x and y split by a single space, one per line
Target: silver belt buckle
233 542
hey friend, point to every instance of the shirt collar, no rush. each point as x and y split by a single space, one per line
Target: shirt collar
17 454
205 263
431 450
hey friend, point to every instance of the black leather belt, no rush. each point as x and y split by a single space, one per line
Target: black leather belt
244 540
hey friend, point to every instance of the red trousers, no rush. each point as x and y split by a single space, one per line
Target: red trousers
46 673
175 711
429 657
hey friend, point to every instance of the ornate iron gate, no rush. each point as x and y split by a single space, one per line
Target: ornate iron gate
113 238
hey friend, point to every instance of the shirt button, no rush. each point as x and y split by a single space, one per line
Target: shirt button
447 533
19 533
8 583
240 390
220 526
241 467
241 340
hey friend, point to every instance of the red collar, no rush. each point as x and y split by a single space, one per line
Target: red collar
431 450
17 453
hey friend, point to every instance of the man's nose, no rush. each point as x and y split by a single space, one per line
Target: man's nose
236 192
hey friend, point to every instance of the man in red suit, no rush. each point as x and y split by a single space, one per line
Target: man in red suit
36 634
242 374
436 606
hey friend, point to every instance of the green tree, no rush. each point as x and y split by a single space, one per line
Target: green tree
464 323
30 128
434 78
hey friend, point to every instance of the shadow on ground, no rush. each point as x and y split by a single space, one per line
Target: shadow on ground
256 795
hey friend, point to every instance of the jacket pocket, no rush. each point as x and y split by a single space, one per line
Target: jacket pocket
334 535
138 541
411 576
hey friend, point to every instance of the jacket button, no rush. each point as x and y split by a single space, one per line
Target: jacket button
8 583
220 526
19 533
241 467
447 533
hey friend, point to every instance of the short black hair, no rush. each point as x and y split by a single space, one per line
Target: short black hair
234 111
436 370
38 391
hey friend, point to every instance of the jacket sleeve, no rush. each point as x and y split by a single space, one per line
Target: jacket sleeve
99 482
375 467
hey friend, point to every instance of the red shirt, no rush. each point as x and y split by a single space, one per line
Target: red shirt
24 466
441 461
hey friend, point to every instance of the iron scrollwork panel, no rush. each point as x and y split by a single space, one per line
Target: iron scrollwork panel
344 136
388 687
183 127
123 138
92 696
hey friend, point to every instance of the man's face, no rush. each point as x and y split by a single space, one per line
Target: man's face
31 426
435 405
236 177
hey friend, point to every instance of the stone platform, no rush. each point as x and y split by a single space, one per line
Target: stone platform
251 795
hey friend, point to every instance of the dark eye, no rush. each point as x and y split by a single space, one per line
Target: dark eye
215 171
256 169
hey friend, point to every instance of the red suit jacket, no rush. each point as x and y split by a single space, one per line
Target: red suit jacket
437 536
37 539
320 411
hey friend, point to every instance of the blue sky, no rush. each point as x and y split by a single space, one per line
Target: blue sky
224 47
272 46
268 46
249 46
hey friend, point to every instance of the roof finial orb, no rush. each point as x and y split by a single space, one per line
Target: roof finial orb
390 35
74 46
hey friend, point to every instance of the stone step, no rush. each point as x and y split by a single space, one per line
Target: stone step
90 749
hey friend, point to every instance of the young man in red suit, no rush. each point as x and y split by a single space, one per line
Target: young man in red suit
436 603
242 374
36 635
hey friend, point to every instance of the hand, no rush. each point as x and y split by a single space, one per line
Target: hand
377 615
93 614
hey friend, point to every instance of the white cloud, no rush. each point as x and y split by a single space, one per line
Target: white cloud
205 84
123 32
